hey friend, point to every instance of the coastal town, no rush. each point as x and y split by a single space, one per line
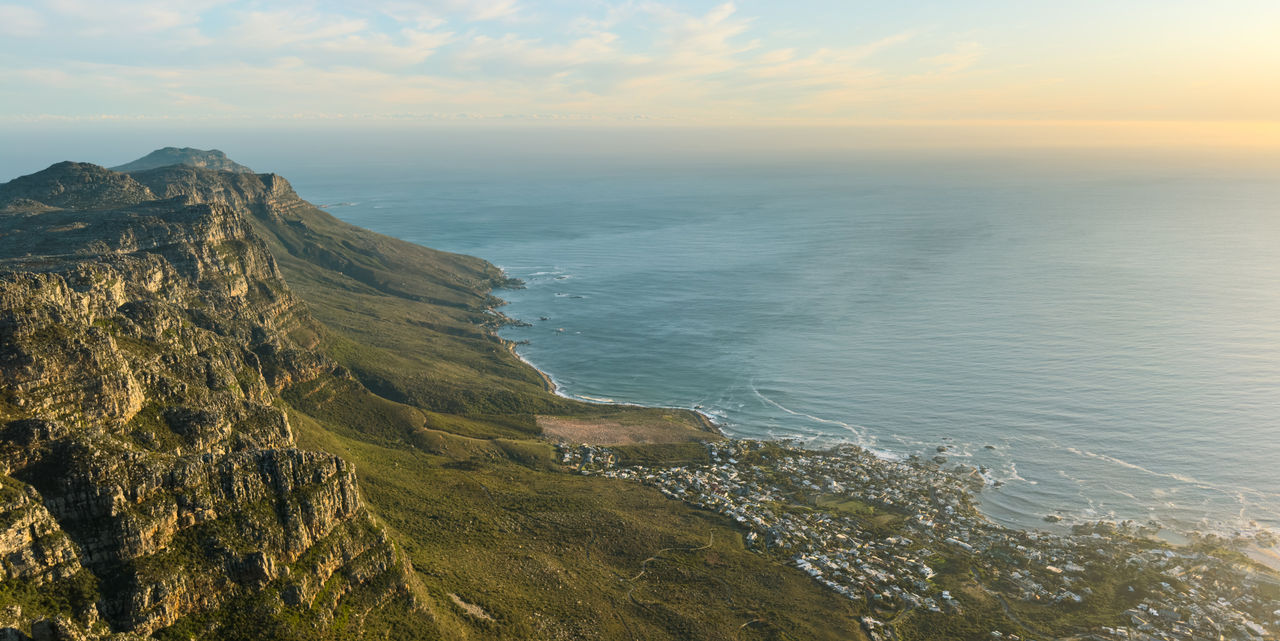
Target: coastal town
905 540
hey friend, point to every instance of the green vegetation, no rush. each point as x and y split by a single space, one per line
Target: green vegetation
875 519
662 454
547 554
69 596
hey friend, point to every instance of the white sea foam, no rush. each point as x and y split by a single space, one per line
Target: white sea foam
859 431
1125 494
886 454
1133 466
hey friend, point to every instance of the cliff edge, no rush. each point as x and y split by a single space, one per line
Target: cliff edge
149 472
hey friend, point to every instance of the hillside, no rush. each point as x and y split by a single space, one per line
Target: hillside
226 414
206 159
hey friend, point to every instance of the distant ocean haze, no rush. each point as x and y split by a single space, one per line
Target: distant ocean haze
1111 333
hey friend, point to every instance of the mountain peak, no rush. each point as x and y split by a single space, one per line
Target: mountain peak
204 158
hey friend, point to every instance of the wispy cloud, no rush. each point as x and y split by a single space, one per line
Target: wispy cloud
599 59
625 59
433 13
707 43
826 66
409 47
511 50
20 22
963 56
128 17
492 9
281 28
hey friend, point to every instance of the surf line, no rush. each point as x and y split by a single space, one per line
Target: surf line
859 431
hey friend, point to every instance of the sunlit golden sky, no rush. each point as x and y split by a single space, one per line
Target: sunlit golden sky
1151 72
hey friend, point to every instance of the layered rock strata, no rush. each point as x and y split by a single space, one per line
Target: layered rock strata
149 472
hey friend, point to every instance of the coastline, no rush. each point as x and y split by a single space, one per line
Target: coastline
707 421
1268 556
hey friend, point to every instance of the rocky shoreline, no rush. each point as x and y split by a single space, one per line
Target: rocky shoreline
890 535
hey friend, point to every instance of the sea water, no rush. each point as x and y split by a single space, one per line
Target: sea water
1103 337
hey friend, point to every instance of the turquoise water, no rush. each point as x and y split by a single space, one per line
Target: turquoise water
1110 329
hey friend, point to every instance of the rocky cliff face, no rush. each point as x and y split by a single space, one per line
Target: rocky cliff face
148 471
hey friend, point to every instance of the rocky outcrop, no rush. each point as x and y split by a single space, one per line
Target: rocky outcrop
243 191
147 473
33 547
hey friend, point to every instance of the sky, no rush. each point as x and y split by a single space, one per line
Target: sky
1151 71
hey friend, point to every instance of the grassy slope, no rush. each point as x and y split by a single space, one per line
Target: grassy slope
448 458
548 554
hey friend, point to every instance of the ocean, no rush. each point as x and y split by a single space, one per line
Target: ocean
1102 334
